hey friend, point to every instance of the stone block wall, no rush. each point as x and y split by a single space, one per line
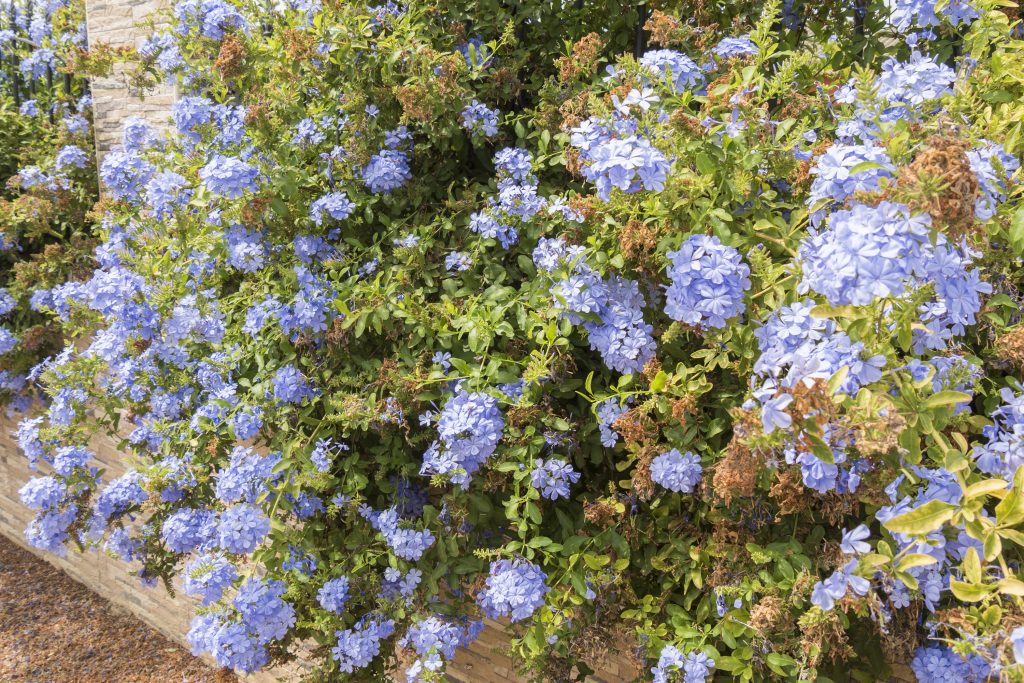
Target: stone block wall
117 23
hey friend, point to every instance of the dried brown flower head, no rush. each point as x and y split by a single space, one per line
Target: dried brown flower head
231 58
940 182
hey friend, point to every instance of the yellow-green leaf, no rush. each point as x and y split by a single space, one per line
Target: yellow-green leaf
922 520
1010 510
972 565
1011 587
946 398
970 592
915 560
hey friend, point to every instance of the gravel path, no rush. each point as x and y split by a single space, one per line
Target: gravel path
55 630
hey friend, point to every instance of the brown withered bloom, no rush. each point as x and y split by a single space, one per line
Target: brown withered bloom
940 182
664 29
683 408
636 427
231 58
600 512
415 104
736 474
1010 347
823 637
767 613
573 111
789 492
642 484
638 240
899 637
583 60
253 210
300 46
652 368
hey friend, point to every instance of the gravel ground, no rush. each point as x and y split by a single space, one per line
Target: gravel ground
55 630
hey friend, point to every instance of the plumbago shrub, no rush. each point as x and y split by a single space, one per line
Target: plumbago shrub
47 182
708 355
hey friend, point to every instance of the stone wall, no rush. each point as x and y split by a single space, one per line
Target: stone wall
118 23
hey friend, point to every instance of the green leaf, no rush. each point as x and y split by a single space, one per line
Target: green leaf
1011 586
972 565
922 520
866 166
985 487
1010 511
946 398
915 560
658 383
1016 231
970 592
777 662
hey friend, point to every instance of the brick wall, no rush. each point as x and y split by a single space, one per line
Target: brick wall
118 23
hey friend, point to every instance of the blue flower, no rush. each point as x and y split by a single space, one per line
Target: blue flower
709 280
853 542
43 493
695 666
291 387
334 204
469 428
923 14
614 161
836 179
608 412
774 415
229 177
207 576
247 476
358 645
992 164
242 528
189 528
125 173
480 120
552 478
333 595
515 164
246 248
676 471
71 156
457 262
165 192
514 589
7 341
681 71
939 664
728 48
835 587
914 82
387 171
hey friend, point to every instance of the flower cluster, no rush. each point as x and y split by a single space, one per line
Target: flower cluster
615 156
676 472
469 429
514 589
708 283
553 477
610 310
